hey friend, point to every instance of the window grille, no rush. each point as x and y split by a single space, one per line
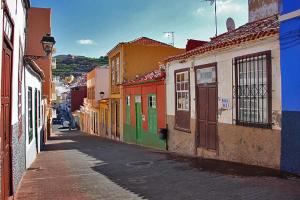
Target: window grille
253 89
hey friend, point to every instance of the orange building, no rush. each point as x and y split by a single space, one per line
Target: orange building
39 24
127 61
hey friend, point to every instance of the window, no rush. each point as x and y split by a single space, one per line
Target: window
182 91
253 89
8 27
115 70
182 100
127 109
152 101
128 100
30 120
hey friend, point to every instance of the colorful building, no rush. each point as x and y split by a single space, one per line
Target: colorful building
144 110
39 24
224 96
97 89
78 93
289 48
127 60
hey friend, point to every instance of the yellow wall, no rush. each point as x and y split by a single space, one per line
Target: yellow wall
141 59
136 59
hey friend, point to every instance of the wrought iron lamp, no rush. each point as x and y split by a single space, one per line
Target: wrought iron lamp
101 94
48 42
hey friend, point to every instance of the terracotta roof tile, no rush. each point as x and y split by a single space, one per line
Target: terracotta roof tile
248 32
147 41
152 76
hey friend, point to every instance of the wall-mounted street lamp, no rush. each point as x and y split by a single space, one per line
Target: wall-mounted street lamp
101 94
48 42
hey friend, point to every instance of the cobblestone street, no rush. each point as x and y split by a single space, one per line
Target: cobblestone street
83 167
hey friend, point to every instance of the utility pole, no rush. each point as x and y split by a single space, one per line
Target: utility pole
216 20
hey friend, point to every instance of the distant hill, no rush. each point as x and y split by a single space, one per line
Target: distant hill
76 65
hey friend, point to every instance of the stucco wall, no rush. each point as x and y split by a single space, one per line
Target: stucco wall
249 145
31 80
39 24
178 141
229 134
101 83
259 9
18 155
289 44
18 143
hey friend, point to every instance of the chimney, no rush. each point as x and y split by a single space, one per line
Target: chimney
259 9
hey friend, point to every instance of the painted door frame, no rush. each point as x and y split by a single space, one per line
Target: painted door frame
6 42
197 134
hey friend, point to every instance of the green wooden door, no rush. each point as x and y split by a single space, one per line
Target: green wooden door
152 114
138 114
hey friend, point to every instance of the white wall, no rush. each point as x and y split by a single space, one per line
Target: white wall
224 73
19 16
101 82
33 82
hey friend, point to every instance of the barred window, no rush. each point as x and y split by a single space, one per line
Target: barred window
182 91
253 89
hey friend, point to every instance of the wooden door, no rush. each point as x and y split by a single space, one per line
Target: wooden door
207 112
5 127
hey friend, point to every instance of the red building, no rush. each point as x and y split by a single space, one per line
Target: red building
144 110
78 94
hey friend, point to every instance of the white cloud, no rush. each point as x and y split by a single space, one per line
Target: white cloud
200 11
86 42
223 7
228 6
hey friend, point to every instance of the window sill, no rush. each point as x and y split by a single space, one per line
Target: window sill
252 125
182 129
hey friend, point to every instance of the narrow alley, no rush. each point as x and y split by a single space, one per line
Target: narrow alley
80 166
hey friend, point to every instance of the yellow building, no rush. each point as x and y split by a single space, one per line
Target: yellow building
104 116
97 92
128 60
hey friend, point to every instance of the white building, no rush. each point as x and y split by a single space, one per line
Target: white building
34 115
13 16
224 97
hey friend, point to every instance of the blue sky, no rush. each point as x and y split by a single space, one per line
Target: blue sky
93 27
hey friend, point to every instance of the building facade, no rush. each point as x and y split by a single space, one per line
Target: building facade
97 89
34 112
13 15
289 47
39 24
224 97
144 110
127 60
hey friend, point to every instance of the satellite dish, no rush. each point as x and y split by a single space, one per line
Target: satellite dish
230 24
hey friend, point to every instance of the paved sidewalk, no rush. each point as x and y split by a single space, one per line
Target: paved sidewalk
79 166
